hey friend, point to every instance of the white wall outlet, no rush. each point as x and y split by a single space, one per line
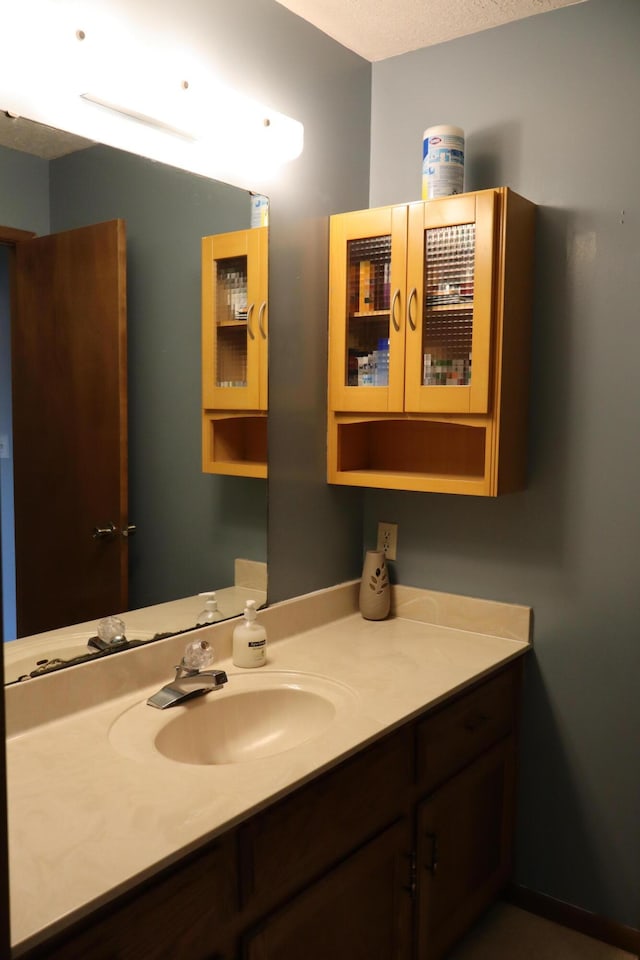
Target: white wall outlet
388 539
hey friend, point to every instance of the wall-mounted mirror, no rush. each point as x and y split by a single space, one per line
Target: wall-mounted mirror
193 532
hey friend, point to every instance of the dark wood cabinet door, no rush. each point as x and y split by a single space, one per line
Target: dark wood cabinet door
361 910
464 842
186 914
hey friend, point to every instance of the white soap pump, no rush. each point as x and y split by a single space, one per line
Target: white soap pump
210 614
249 640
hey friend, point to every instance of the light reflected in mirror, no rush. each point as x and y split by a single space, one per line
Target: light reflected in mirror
194 532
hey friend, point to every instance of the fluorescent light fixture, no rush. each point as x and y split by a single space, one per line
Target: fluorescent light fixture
220 119
138 115
162 99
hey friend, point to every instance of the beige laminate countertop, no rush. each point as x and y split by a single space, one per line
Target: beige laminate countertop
87 822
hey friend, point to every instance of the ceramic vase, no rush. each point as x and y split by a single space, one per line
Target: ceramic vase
375 594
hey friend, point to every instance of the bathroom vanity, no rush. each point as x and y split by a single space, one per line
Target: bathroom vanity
381 835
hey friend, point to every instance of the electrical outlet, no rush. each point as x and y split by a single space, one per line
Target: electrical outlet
388 539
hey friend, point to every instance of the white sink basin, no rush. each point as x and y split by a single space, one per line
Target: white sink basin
255 715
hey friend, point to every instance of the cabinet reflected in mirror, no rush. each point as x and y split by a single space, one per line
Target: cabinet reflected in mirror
191 527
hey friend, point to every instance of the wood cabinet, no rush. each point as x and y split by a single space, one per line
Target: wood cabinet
235 352
360 910
390 855
463 843
429 322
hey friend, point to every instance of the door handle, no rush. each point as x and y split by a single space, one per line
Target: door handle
249 316
261 326
396 298
412 296
129 530
104 533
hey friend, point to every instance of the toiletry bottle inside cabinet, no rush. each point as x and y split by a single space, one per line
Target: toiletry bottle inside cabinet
447 284
235 352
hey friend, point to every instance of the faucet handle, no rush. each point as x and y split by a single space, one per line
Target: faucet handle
198 655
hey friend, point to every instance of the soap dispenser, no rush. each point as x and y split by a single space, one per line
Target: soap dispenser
249 640
210 614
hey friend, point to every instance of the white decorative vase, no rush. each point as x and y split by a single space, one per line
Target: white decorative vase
375 594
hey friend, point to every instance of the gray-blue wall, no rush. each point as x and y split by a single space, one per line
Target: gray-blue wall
550 108
315 532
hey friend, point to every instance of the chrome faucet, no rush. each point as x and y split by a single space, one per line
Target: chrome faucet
190 680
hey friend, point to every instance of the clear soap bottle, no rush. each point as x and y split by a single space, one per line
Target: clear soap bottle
210 614
249 640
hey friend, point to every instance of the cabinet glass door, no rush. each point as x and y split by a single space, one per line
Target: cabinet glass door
449 321
234 308
368 257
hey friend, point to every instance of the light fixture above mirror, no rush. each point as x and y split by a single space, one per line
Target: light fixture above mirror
160 101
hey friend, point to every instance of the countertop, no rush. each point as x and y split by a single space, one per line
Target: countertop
87 822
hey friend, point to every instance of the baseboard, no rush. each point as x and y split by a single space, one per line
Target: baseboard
600 928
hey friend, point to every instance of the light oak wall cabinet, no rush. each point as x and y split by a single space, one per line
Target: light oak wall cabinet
429 330
235 353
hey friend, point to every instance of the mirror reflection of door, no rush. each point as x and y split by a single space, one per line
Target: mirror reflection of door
70 426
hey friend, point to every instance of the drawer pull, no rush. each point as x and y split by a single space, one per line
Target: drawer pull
475 721
433 865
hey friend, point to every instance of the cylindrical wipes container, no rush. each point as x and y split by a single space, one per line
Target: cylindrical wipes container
442 161
259 210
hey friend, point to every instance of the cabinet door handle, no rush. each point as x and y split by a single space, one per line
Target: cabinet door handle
396 297
475 721
261 326
249 316
433 865
412 296
410 887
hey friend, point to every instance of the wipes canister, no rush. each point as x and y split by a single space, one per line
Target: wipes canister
442 161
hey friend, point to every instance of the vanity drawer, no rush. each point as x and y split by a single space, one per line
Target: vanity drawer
291 842
453 736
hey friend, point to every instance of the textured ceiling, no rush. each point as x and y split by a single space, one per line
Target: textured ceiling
35 138
377 29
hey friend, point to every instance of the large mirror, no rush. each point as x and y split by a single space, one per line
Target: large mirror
193 532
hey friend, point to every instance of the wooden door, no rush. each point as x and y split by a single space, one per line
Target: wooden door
367 309
70 426
464 848
450 278
361 910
